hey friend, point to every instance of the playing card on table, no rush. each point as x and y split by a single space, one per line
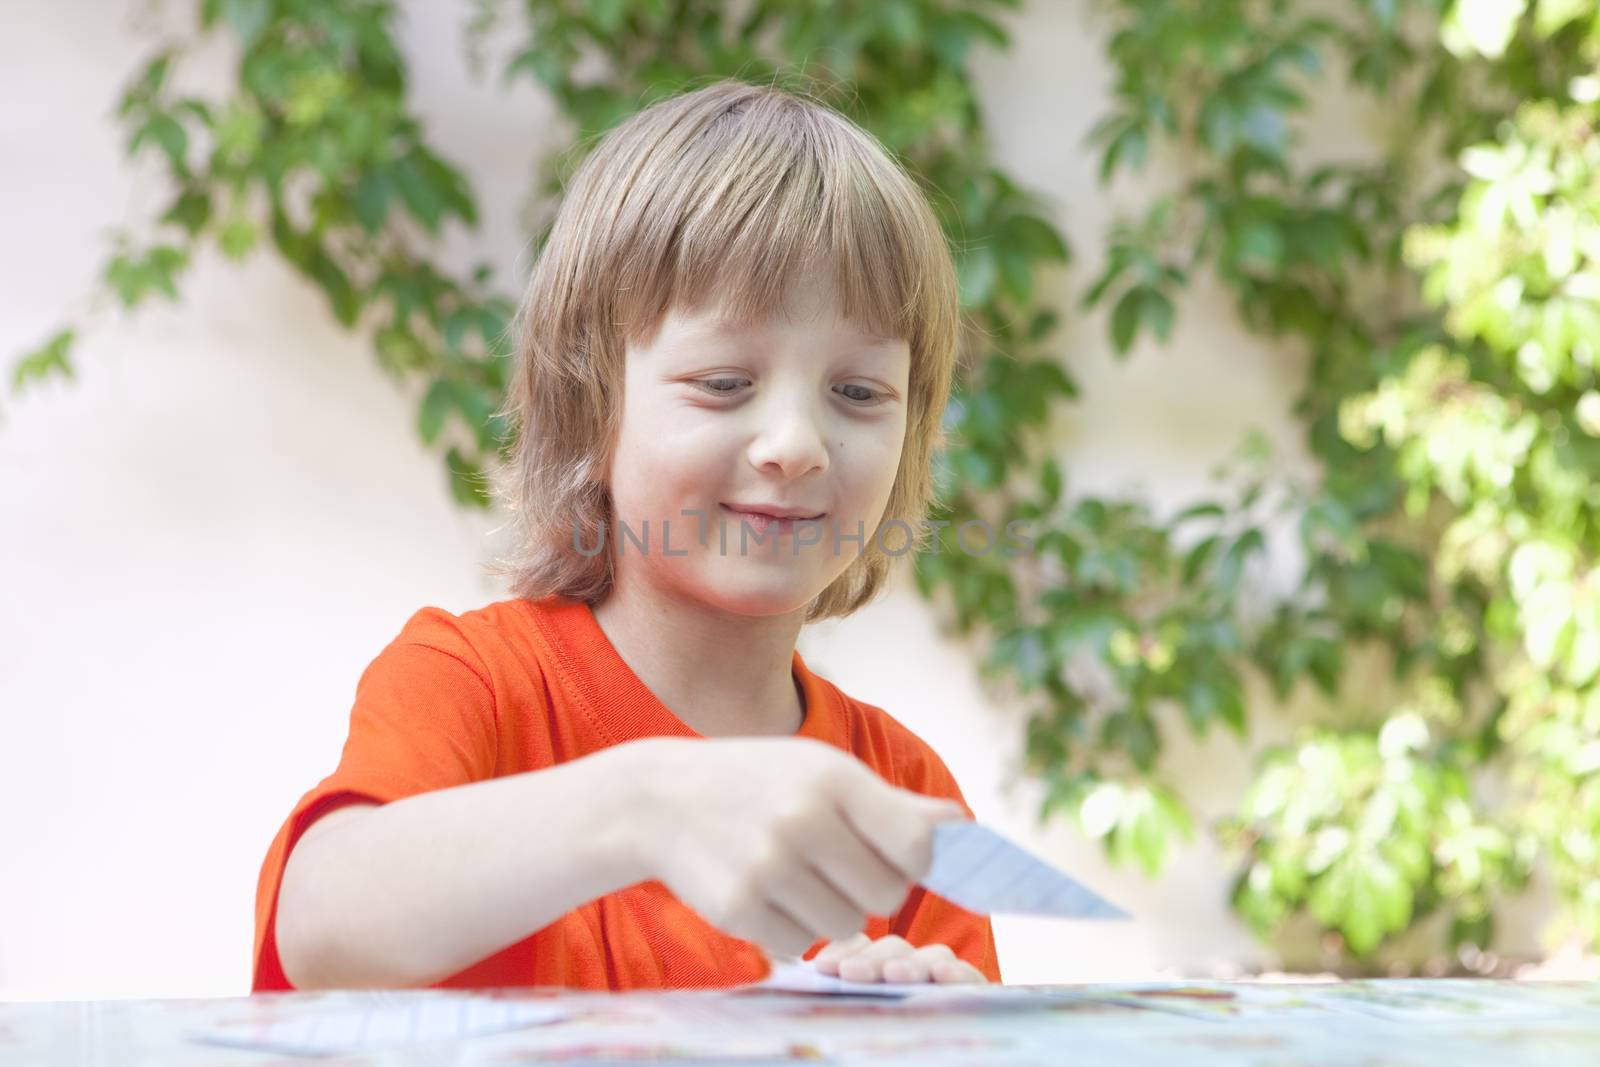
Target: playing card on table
979 870
375 1020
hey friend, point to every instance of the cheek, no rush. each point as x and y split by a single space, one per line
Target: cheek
658 470
873 459
864 469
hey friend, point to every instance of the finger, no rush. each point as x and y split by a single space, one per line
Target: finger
780 933
816 904
942 809
827 960
907 970
895 823
867 964
917 967
836 849
958 972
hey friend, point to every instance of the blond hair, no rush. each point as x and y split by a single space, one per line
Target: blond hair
723 195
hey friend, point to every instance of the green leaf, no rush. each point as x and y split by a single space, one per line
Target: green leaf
1219 125
543 64
436 405
1477 930
1036 236
237 237
477 407
1148 834
1207 510
371 199
1140 306
248 18
1044 321
1259 246
1116 264
1132 733
448 184
977 270
54 357
901 20
951 35
133 278
400 352
983 26
1197 557
147 85
1131 147
1125 319
191 210
1326 664
979 467
1085 626
1553 15
1288 875
1050 481
1253 899
1380 903
1156 312
169 135
420 196
342 296
1016 275
1231 569
1147 820
1215 695
607 14
1023 652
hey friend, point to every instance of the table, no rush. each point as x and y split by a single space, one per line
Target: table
1392 1023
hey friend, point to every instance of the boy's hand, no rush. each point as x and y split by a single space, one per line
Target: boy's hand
780 841
894 959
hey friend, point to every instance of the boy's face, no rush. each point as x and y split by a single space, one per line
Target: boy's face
802 412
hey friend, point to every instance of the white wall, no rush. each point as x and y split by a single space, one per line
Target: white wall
206 538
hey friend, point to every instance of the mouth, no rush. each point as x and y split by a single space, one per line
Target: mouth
762 521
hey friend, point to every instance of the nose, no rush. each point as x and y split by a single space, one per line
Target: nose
791 441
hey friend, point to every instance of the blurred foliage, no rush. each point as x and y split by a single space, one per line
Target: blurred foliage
315 153
1371 833
1441 291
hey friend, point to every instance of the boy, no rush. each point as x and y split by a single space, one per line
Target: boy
742 329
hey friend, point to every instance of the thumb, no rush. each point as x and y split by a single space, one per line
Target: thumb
938 809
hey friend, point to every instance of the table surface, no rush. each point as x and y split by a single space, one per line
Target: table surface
1392 1023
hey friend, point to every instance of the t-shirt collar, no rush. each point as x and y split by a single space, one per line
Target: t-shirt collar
624 708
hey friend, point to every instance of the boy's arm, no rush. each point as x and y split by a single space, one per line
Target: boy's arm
407 893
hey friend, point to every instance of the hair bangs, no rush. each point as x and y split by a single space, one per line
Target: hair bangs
786 194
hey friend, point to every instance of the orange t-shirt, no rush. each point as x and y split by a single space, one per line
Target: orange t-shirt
521 685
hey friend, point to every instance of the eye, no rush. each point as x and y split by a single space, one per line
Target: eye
872 396
707 384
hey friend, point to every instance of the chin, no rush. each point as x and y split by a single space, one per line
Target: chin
760 599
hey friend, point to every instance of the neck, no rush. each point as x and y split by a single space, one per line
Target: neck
721 673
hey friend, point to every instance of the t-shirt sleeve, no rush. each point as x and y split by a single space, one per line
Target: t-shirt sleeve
424 719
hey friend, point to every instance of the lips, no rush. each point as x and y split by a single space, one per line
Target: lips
774 512
761 521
